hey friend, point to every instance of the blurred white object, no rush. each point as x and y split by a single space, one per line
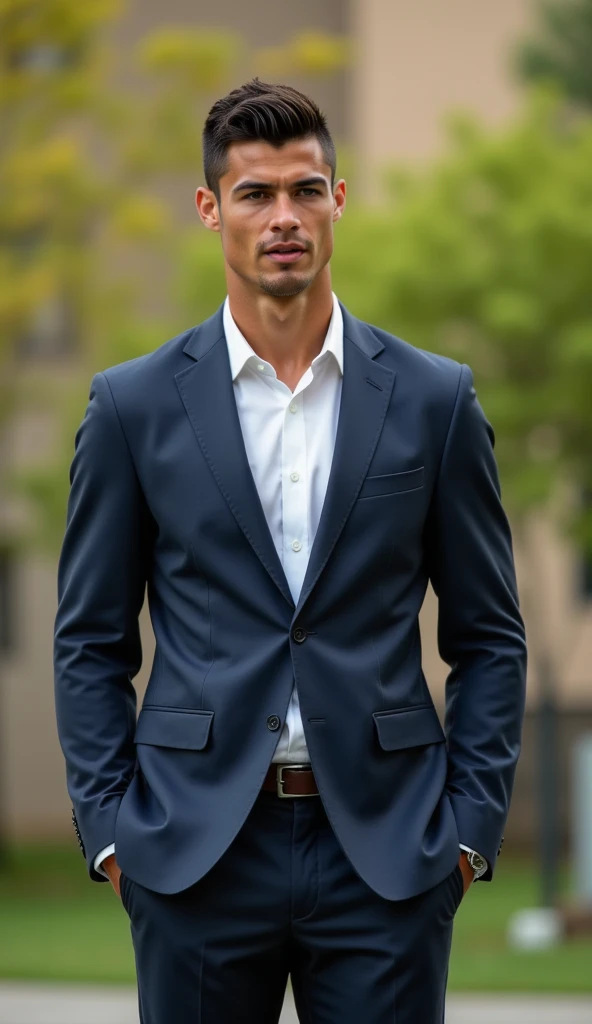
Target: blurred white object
582 818
535 928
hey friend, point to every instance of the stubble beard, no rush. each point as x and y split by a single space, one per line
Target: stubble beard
284 286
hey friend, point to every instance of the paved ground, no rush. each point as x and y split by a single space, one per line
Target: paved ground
44 1004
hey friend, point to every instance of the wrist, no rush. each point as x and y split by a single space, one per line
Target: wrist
108 862
475 861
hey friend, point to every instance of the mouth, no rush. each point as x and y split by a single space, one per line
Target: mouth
285 253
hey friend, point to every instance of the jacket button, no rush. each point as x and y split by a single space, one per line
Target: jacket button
273 723
299 635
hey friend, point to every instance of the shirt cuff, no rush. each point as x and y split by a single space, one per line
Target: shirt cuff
100 857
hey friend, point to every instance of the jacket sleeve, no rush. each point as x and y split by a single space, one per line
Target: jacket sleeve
480 629
97 648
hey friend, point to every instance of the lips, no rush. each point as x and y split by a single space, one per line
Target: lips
285 253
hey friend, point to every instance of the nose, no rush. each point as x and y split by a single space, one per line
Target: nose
283 215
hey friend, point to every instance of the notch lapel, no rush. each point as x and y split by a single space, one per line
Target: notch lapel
208 396
207 393
365 397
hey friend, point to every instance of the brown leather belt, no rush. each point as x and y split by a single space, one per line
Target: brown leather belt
290 780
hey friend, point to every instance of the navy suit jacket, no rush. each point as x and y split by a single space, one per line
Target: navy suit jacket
162 496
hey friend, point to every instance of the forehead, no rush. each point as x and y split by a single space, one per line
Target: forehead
260 161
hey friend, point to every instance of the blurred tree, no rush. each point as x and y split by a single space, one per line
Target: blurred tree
307 53
485 258
87 149
86 143
562 48
75 163
82 160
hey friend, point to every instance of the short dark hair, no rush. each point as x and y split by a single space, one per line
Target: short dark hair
264 112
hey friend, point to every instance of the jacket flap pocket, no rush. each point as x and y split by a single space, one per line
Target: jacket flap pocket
167 727
408 727
392 483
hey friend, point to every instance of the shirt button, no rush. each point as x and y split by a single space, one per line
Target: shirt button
296 545
260 366
294 476
293 407
273 723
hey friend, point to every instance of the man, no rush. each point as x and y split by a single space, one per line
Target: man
286 480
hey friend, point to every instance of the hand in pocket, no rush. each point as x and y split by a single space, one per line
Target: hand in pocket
111 868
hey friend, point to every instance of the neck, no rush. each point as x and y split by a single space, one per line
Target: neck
286 332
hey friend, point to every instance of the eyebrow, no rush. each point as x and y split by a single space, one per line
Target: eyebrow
259 186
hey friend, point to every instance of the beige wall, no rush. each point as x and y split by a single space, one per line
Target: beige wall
416 61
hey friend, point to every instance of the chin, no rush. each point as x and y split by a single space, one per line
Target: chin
284 285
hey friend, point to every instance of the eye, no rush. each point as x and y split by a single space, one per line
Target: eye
255 195
309 191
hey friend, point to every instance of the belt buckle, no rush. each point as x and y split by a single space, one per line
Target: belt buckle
280 780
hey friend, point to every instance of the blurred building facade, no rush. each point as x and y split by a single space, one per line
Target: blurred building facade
412 63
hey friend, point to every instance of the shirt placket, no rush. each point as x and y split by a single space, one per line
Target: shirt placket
294 513
294 494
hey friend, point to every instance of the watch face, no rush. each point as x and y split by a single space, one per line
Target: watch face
477 862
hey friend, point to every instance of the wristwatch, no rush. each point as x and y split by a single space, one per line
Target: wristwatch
477 862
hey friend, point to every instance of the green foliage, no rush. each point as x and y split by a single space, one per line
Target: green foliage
484 257
80 157
80 167
562 50
308 53
86 146
201 285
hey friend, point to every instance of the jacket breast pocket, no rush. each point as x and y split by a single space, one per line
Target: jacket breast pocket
392 483
181 728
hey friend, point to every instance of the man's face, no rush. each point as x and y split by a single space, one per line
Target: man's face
276 214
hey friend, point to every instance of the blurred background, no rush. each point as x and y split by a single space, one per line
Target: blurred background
465 133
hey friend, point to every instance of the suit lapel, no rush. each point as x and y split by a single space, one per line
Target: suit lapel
208 396
365 396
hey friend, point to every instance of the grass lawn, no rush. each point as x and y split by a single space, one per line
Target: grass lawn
481 959
57 925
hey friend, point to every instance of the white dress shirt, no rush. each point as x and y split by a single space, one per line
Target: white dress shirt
289 438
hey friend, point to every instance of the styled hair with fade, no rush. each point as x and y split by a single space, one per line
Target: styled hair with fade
259 111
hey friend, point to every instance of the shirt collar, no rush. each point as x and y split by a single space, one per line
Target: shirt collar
240 352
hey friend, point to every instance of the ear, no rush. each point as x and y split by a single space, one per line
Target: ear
339 194
207 207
